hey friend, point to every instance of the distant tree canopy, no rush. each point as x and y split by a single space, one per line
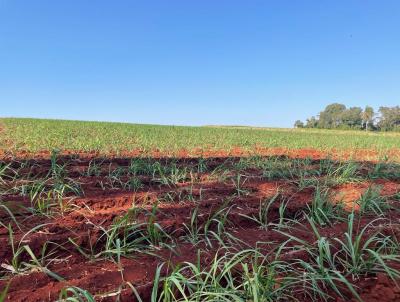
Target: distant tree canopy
298 124
338 116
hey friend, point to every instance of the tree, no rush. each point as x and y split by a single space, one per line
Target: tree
390 118
368 116
338 116
351 118
331 117
299 124
311 122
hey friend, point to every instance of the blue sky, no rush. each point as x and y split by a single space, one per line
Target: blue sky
264 63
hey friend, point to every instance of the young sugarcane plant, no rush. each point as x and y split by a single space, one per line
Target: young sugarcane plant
262 217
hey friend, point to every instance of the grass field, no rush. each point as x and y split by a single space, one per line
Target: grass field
35 135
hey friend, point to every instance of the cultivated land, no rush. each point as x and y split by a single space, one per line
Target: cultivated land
30 136
214 214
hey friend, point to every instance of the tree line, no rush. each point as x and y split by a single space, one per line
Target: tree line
338 116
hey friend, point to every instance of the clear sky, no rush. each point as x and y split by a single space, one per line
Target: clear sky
264 63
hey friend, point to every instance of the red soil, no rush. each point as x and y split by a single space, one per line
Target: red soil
100 207
359 154
348 194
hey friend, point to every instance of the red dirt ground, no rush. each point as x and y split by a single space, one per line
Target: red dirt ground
99 207
359 154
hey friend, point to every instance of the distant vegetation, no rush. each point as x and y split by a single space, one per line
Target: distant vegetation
337 116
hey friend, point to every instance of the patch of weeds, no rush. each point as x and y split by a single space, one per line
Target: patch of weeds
359 254
94 168
306 182
238 183
21 251
127 236
262 217
170 175
247 275
345 173
75 294
133 184
372 202
322 210
385 169
202 165
142 166
275 168
210 229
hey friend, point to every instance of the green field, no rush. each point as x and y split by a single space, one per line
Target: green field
33 135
